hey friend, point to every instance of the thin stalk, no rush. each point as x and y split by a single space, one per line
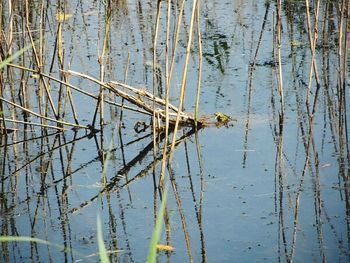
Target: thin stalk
200 52
34 124
101 59
78 89
158 113
42 116
184 75
155 40
167 87
279 43
125 80
313 41
176 40
38 61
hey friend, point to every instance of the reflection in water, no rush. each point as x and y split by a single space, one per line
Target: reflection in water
283 197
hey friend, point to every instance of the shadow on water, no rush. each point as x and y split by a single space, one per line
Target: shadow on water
77 141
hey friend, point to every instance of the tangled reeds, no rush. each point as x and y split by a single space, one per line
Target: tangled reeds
56 97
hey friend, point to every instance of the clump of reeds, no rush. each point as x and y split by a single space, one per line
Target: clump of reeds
51 105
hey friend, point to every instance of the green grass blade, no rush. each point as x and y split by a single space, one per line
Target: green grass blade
152 253
101 245
6 239
23 239
14 56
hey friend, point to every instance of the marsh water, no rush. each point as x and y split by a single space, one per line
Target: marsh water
261 189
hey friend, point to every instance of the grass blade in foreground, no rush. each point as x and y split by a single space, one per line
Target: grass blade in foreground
14 56
101 245
6 239
24 239
152 253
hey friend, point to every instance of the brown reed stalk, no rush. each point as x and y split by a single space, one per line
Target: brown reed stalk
10 27
34 124
313 35
125 81
60 54
187 119
200 52
184 75
39 62
181 213
176 40
2 119
43 116
140 93
344 77
343 25
279 54
155 41
167 90
102 57
145 94
9 51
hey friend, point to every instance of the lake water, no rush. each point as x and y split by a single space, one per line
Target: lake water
248 192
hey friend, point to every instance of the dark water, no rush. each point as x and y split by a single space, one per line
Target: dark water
244 193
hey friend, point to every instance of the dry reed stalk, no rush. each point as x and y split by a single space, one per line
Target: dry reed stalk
26 139
136 101
167 91
313 35
2 48
44 117
343 25
176 40
70 98
60 56
2 119
34 124
199 211
279 44
102 57
307 164
184 75
251 71
155 41
345 74
39 62
80 90
125 81
310 146
144 94
10 28
200 52
59 49
9 50
181 213
186 119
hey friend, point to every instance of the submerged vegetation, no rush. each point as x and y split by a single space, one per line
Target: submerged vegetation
101 106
